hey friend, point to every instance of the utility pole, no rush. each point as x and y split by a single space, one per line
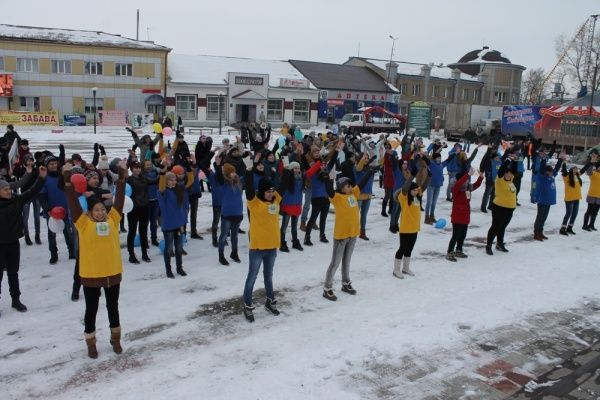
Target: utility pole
387 89
137 26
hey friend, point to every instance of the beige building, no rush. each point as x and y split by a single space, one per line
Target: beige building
56 70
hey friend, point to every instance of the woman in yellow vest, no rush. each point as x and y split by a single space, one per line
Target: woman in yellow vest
572 181
505 202
593 196
100 263
263 207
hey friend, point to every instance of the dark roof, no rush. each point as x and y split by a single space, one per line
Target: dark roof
482 55
341 77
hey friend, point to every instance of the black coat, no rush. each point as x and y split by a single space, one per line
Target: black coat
11 228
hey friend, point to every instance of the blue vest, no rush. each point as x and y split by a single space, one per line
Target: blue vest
231 204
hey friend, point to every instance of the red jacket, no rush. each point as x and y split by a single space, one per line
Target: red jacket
461 204
388 173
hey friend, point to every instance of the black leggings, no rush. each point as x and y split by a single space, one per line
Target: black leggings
590 214
319 208
193 213
387 198
407 243
459 233
501 217
92 299
138 216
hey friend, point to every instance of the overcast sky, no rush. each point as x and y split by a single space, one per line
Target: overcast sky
327 30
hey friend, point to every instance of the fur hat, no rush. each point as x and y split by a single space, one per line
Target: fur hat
103 162
228 169
293 164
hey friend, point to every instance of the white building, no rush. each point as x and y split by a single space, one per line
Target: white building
201 87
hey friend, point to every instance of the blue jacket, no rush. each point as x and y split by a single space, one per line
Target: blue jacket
495 167
437 173
216 189
172 215
293 199
398 179
368 188
452 166
231 204
195 188
152 175
56 197
318 187
545 186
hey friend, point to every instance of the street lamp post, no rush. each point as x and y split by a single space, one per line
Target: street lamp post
221 94
94 96
390 67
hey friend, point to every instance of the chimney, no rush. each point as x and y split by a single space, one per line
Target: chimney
391 73
426 70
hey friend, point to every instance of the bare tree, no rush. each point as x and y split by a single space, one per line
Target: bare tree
575 59
532 91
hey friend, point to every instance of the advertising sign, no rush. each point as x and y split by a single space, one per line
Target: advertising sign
113 118
293 83
141 120
29 118
520 120
6 85
419 118
74 120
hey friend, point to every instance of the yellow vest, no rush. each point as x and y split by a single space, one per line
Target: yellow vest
410 215
99 246
594 190
506 193
572 193
264 223
347 219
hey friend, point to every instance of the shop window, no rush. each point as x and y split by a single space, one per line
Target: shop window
275 110
27 65
29 103
214 107
123 69
186 106
416 89
61 66
89 105
93 68
301 110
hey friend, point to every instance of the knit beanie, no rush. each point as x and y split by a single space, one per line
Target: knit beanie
49 159
103 162
293 164
264 184
341 182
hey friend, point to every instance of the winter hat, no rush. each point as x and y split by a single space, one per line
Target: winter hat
49 159
25 141
103 162
264 184
114 165
293 164
228 169
343 181
76 157
76 170
3 184
89 174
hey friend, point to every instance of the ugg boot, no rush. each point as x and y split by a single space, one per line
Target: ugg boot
432 219
90 341
406 267
363 235
537 236
398 268
115 339
428 220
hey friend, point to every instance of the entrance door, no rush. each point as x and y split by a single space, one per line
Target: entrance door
252 113
156 110
245 112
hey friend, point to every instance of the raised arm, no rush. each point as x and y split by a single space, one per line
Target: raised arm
120 188
74 206
96 155
37 186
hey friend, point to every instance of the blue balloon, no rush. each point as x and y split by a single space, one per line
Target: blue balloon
161 246
128 190
136 241
441 223
83 203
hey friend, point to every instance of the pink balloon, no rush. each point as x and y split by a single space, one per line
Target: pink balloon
201 175
167 131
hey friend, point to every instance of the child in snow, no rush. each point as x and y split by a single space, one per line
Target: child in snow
593 196
232 207
573 183
292 181
461 213
504 204
100 263
545 195
437 181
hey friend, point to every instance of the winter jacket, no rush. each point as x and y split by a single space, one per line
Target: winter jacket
139 186
452 166
461 200
594 190
316 182
172 214
53 193
11 228
545 186
291 203
388 171
152 188
216 189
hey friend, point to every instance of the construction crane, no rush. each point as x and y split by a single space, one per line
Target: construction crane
590 24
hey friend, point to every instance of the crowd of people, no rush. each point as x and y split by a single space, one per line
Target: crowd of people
295 178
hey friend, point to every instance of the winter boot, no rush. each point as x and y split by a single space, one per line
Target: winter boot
90 341
145 257
586 223
398 268
536 236
28 241
544 237
563 231
241 231
183 252
234 256
17 305
347 287
432 219
329 295
195 235
53 258
271 305
406 267
460 254
133 259
169 272
37 238
296 245
215 242
75 291
363 235
394 228
383 213
222 259
450 257
570 230
488 250
155 242
593 223
307 241
248 313
303 226
323 239
180 271
284 247
115 339
501 247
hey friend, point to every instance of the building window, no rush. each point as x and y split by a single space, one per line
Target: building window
186 106
89 105
500 97
435 91
301 110
27 65
515 98
465 94
275 110
29 103
1 63
416 90
124 69
61 67
476 95
446 92
402 88
213 107
403 110
93 68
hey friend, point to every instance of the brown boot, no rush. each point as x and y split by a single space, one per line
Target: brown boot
428 220
90 341
115 339
303 226
363 235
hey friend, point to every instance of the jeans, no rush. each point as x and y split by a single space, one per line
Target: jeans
488 195
92 299
320 208
407 244
138 217
572 209
364 205
36 216
285 220
395 214
267 258
467 145
387 199
307 202
215 221
230 227
540 219
432 198
173 239
342 252
10 256
459 233
153 213
501 217
67 232
451 182
76 277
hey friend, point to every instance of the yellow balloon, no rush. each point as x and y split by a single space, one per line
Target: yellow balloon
157 127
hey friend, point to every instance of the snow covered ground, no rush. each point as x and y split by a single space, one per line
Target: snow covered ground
186 338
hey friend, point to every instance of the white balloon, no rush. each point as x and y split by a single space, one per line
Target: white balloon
56 225
128 205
